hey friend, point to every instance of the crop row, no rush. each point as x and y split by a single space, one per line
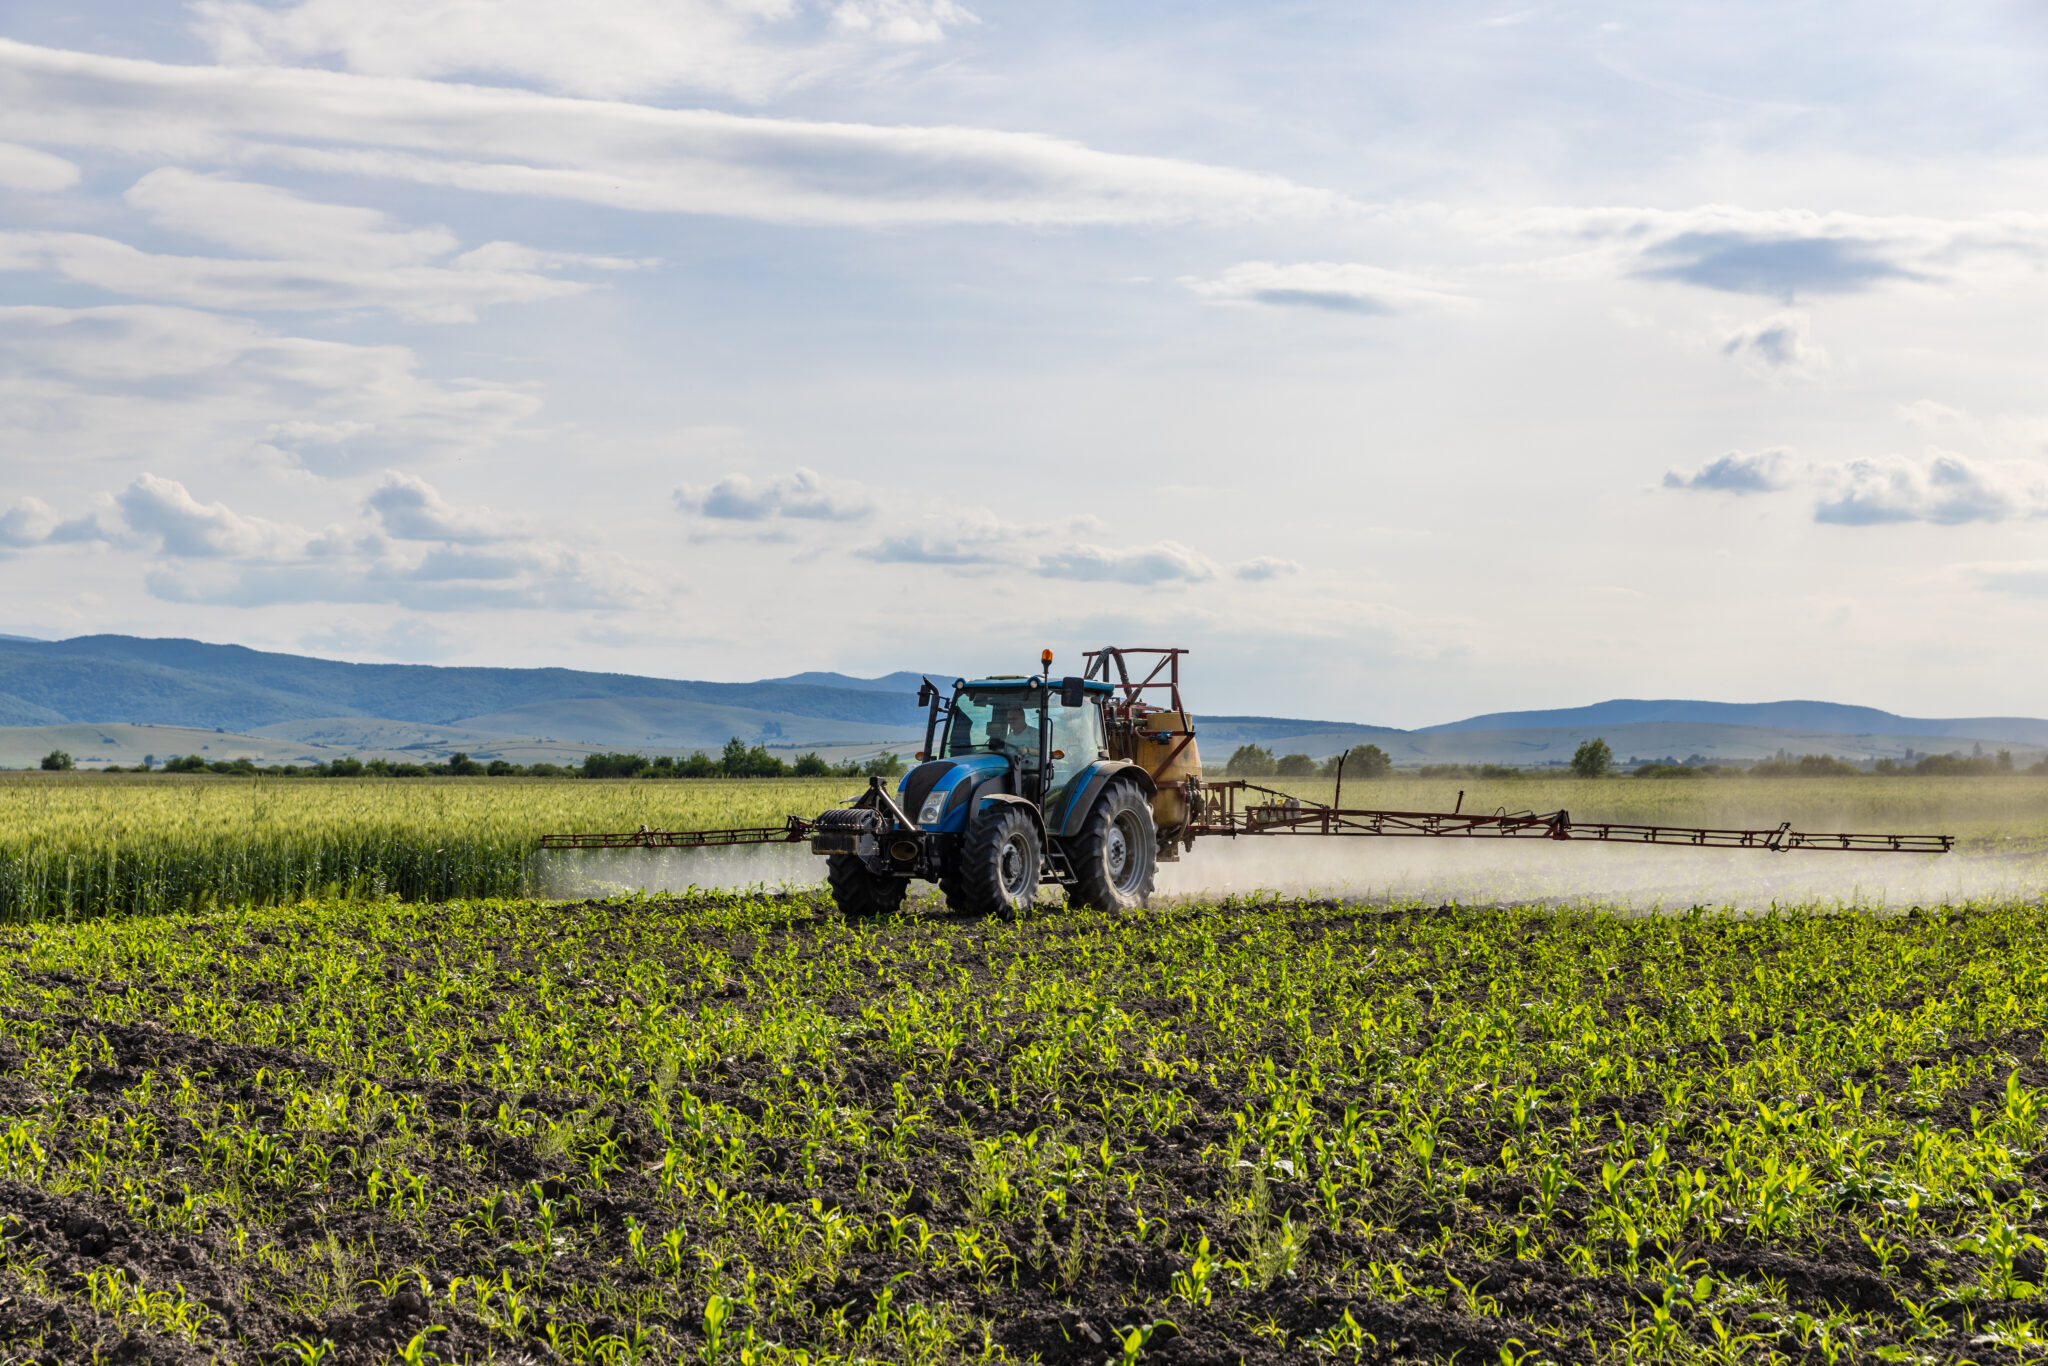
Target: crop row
744 1130
90 846
73 847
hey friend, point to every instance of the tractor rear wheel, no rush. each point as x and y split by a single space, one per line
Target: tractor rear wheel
1115 855
859 893
999 861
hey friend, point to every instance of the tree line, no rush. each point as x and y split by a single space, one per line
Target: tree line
1595 759
1255 761
736 760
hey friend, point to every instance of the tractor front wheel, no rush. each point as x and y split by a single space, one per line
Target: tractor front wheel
999 861
859 893
1115 854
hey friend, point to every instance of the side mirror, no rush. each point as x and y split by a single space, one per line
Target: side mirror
926 693
1073 692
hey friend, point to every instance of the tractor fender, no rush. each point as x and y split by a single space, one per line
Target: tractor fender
1100 775
983 802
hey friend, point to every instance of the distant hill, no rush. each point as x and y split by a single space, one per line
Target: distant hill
1831 718
902 682
269 703
191 683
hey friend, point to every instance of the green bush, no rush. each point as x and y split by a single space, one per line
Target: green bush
1593 759
1250 761
1465 771
1808 766
56 761
1360 761
1294 766
615 765
1959 766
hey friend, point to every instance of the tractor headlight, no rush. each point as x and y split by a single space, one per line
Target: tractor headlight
934 807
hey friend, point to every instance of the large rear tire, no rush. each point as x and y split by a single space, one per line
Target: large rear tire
859 893
1115 857
999 861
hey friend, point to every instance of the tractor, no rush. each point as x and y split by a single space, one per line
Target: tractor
1022 782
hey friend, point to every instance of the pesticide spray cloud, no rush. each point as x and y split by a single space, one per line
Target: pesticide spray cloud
574 874
1405 872
1519 872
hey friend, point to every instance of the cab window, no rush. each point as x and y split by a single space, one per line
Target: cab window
994 721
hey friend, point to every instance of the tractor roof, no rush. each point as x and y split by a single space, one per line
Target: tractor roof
1002 682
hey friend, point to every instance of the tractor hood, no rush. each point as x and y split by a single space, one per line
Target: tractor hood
952 781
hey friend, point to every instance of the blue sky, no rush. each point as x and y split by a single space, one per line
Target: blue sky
1404 361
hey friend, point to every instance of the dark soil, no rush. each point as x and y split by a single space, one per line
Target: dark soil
760 1077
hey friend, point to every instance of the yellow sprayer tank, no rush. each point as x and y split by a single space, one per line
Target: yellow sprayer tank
1155 749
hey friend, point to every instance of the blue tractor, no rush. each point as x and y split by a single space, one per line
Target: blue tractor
1018 787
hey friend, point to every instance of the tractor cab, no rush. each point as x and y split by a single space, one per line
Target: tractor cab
1045 736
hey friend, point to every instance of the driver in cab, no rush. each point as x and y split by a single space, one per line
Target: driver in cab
1010 728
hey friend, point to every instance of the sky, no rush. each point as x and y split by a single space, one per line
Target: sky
1402 361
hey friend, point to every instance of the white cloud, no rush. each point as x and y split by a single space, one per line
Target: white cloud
419 552
27 522
1779 346
1926 414
418 293
533 578
143 379
624 155
973 540
1165 562
321 256
1263 567
1332 286
746 48
972 544
408 508
1944 488
25 168
1785 254
2021 578
804 494
262 220
181 525
1736 472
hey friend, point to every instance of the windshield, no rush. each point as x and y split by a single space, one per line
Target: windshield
994 721
997 721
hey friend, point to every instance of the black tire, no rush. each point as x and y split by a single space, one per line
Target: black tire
1115 857
999 861
859 893
953 886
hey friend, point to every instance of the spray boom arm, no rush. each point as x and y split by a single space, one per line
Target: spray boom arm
1279 813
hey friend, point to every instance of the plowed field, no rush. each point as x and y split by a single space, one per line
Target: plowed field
744 1130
